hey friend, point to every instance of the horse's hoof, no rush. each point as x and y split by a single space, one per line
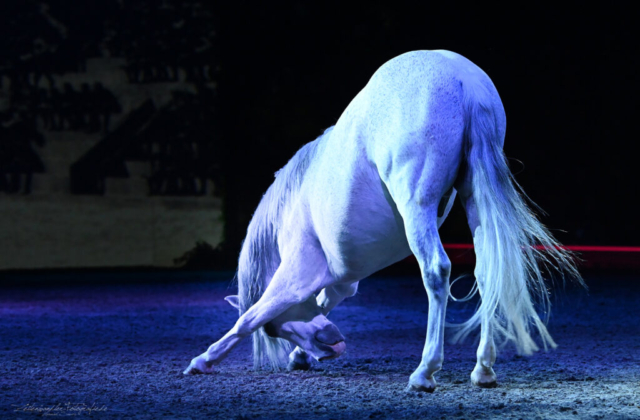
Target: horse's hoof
299 360
420 388
294 365
492 384
484 377
421 384
197 367
192 371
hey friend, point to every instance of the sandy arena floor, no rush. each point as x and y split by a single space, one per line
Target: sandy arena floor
120 350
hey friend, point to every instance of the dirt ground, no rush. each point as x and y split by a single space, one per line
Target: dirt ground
118 351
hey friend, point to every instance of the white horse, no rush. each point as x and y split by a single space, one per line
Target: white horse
372 190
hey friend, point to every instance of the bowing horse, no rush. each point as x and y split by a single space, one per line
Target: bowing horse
375 188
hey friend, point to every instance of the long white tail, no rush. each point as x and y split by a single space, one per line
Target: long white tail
512 246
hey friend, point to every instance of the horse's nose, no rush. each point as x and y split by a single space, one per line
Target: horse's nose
329 335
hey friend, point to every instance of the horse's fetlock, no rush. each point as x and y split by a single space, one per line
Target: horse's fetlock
209 359
433 364
487 359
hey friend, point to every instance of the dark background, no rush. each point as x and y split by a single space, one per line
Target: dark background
566 77
285 71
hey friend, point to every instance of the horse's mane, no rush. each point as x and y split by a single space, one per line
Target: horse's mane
260 257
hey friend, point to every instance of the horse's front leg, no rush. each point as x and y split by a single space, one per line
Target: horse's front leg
327 299
258 315
422 234
287 288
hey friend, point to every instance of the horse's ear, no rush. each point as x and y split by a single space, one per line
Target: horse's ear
233 300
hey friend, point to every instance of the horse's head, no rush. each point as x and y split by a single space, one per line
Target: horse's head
305 326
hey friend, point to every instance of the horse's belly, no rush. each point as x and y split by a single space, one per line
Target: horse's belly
360 229
373 244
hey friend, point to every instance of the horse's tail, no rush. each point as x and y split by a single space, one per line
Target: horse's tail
512 247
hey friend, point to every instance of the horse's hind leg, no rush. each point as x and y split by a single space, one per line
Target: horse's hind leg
422 234
299 275
483 374
327 299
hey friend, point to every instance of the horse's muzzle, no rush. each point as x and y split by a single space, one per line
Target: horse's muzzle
337 350
330 341
329 335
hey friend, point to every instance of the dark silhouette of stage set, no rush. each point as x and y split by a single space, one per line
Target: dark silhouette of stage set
176 139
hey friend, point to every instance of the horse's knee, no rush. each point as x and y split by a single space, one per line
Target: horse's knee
241 329
349 290
332 295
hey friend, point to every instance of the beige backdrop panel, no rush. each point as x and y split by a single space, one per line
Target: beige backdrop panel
80 231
